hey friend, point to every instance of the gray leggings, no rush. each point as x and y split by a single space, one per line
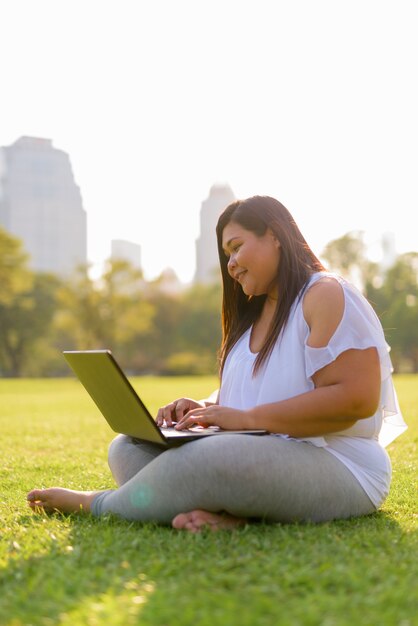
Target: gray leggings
267 478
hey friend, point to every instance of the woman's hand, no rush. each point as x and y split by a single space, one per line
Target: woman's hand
176 410
215 415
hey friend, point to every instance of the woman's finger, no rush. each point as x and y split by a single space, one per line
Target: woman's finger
165 414
182 407
193 417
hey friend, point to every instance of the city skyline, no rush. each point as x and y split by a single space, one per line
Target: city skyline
312 103
41 204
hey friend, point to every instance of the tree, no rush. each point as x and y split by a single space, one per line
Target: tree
394 295
105 313
347 256
185 333
153 349
27 305
197 332
397 304
200 328
15 276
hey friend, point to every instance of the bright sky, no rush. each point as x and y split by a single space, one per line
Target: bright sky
314 103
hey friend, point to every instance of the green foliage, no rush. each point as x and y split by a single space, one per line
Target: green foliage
152 350
396 302
197 333
27 306
393 294
347 256
15 277
107 313
345 253
156 331
200 327
192 363
184 335
82 571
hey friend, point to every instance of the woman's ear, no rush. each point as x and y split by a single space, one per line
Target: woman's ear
273 236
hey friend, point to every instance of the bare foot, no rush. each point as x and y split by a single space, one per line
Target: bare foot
63 500
195 521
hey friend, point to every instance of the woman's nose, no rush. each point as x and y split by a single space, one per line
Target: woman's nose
231 263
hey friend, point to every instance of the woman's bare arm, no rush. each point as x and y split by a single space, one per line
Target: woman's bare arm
346 390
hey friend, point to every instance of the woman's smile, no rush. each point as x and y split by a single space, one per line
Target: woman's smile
239 275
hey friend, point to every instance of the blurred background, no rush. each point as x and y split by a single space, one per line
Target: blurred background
125 129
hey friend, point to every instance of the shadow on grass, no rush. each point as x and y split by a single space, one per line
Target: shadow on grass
108 571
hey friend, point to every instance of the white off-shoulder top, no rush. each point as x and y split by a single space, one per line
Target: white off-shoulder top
289 372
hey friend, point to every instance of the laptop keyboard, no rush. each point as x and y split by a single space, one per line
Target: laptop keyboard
193 429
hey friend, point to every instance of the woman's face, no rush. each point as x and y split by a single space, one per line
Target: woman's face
253 261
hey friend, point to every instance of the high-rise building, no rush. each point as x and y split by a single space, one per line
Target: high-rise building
127 251
41 205
207 261
388 250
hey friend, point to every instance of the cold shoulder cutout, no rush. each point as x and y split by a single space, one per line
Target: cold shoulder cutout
324 302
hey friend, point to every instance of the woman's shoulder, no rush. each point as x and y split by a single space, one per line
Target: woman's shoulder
325 285
331 301
324 289
324 301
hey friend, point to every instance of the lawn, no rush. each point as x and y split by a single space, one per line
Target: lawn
70 570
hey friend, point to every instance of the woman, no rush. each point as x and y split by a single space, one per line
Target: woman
304 357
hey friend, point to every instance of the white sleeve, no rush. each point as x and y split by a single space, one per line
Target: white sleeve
360 329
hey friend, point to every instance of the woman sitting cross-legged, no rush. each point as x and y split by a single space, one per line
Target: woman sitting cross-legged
304 357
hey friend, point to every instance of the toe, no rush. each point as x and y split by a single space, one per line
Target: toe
180 521
34 495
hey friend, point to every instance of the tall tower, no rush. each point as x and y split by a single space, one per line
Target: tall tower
207 262
41 204
127 251
388 250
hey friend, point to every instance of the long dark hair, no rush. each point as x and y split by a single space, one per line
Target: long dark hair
297 263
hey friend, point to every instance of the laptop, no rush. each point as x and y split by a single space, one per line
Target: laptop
121 406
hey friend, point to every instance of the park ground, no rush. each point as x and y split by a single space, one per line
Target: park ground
73 570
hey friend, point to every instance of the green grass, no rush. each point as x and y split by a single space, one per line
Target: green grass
82 571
